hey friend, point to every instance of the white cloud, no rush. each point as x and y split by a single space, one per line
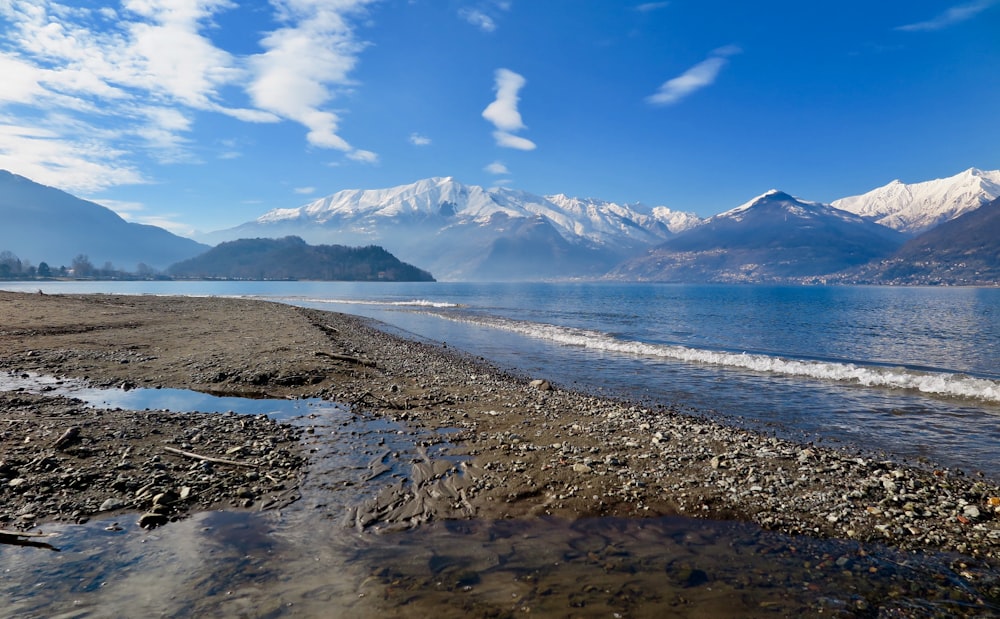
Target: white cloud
70 163
132 212
363 156
509 140
647 7
483 16
134 77
305 63
304 191
419 140
478 19
497 167
697 77
503 112
951 16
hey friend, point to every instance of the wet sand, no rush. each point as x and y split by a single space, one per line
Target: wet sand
517 449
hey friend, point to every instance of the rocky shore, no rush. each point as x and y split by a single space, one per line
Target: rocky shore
530 448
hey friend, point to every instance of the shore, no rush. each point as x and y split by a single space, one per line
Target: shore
530 448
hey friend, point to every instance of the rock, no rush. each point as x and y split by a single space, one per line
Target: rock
579 467
165 498
151 520
110 505
541 385
971 512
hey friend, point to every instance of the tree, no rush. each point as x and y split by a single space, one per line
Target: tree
82 267
10 265
44 270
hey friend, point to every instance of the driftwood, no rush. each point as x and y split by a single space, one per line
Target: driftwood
24 534
68 437
348 358
194 456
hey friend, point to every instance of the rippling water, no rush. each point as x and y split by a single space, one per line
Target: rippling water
914 372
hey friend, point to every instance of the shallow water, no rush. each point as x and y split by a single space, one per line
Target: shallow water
305 561
908 372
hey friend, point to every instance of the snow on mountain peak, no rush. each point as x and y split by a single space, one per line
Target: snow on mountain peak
918 207
592 220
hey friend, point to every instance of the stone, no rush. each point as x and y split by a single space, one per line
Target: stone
151 520
110 505
541 385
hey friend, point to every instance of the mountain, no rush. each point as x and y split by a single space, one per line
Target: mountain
918 207
964 251
773 237
462 231
45 224
292 258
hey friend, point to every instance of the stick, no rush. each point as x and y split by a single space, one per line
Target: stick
348 358
188 454
24 534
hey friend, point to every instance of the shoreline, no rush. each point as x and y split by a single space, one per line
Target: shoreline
529 449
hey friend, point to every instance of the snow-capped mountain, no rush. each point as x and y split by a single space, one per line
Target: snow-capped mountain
459 231
918 207
773 237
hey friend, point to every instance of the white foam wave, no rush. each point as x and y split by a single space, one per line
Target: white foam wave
936 383
423 303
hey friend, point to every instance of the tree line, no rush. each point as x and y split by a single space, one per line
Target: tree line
12 267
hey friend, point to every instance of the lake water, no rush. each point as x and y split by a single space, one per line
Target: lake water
913 372
910 372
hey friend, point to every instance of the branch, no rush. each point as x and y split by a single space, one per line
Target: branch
188 454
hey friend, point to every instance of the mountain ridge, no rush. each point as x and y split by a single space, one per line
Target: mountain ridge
42 223
915 208
772 238
465 229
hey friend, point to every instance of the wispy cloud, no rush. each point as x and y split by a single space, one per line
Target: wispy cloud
304 191
478 19
134 78
503 112
419 140
950 17
305 62
484 15
647 7
135 212
363 156
697 77
497 167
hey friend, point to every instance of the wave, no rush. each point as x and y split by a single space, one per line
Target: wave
423 303
927 382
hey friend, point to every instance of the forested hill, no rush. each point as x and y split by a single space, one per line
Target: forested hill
293 258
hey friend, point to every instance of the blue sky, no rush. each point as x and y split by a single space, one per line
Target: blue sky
203 114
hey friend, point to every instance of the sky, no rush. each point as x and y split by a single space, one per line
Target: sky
199 115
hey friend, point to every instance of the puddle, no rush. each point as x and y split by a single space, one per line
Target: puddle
311 560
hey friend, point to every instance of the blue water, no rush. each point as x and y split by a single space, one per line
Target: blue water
910 372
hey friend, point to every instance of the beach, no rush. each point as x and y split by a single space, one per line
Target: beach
527 448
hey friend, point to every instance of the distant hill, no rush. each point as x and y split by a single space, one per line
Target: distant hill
964 251
40 223
774 237
292 258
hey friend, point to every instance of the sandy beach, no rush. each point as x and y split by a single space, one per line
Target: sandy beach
531 448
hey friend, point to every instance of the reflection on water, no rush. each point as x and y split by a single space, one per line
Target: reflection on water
304 562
